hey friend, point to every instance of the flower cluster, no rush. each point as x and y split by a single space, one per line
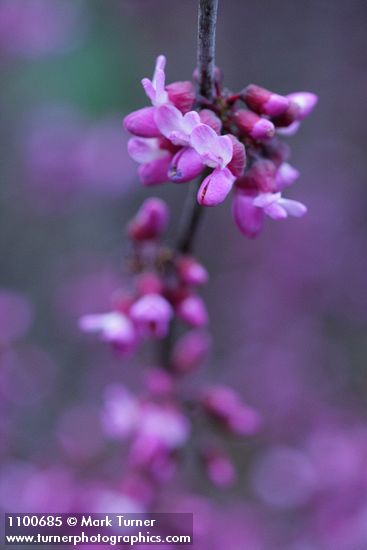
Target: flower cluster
158 422
231 142
165 286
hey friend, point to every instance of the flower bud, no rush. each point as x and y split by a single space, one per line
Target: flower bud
248 217
262 101
238 162
253 125
210 119
152 315
141 123
215 187
305 101
148 283
150 221
181 95
190 271
186 165
190 351
155 172
193 311
260 176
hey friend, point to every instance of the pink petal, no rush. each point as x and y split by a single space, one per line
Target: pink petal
276 211
203 138
145 150
248 217
155 172
215 187
265 199
293 208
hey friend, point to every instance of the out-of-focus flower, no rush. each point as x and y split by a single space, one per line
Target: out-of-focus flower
152 314
150 221
114 327
225 405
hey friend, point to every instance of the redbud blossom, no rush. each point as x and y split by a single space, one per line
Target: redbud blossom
210 119
226 406
248 218
174 125
190 351
193 311
263 101
181 95
114 327
191 272
253 125
185 166
152 314
142 123
150 221
215 187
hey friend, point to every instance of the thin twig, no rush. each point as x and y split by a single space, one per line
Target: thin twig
193 211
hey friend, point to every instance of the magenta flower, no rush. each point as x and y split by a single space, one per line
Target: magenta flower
193 311
155 88
113 327
142 123
150 221
177 144
174 125
278 208
263 101
185 166
152 314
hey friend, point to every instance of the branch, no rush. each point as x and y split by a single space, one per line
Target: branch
207 19
206 46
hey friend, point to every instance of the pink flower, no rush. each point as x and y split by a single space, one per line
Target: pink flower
254 126
152 314
120 415
113 327
191 272
186 165
263 101
155 88
174 125
181 95
142 123
278 208
305 101
249 210
144 150
226 406
286 175
155 172
190 351
150 221
215 151
193 311
248 218
215 187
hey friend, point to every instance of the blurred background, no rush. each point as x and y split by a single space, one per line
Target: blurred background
288 310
